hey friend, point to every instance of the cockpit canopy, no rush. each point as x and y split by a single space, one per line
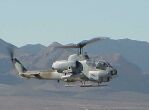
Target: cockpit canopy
98 64
102 65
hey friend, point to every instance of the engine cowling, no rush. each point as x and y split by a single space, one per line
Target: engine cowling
63 65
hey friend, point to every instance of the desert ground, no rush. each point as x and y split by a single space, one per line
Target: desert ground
70 103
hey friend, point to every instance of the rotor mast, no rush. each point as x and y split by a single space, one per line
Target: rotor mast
80 48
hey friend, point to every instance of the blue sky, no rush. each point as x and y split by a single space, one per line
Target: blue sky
45 21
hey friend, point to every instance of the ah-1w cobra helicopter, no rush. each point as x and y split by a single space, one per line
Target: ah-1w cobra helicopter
78 67
81 67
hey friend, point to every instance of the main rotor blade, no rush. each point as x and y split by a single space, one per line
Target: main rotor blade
82 44
68 46
85 42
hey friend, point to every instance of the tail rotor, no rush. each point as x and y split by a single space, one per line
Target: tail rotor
11 52
15 62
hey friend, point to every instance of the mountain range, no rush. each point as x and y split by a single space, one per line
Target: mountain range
129 57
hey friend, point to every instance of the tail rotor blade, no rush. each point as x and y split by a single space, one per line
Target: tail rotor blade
11 52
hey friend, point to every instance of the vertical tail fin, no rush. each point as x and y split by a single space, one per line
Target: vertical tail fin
18 66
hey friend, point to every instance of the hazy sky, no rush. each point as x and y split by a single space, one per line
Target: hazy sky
44 21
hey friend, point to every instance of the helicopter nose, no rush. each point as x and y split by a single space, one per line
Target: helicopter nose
114 72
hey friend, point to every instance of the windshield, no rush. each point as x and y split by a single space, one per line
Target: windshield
101 65
98 65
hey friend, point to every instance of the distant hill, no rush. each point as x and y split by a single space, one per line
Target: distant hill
4 48
32 49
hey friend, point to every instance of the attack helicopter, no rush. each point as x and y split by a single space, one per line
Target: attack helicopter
78 67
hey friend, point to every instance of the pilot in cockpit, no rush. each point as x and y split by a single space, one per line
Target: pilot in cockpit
101 65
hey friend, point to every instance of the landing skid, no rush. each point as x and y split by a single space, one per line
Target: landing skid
70 85
87 85
92 85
